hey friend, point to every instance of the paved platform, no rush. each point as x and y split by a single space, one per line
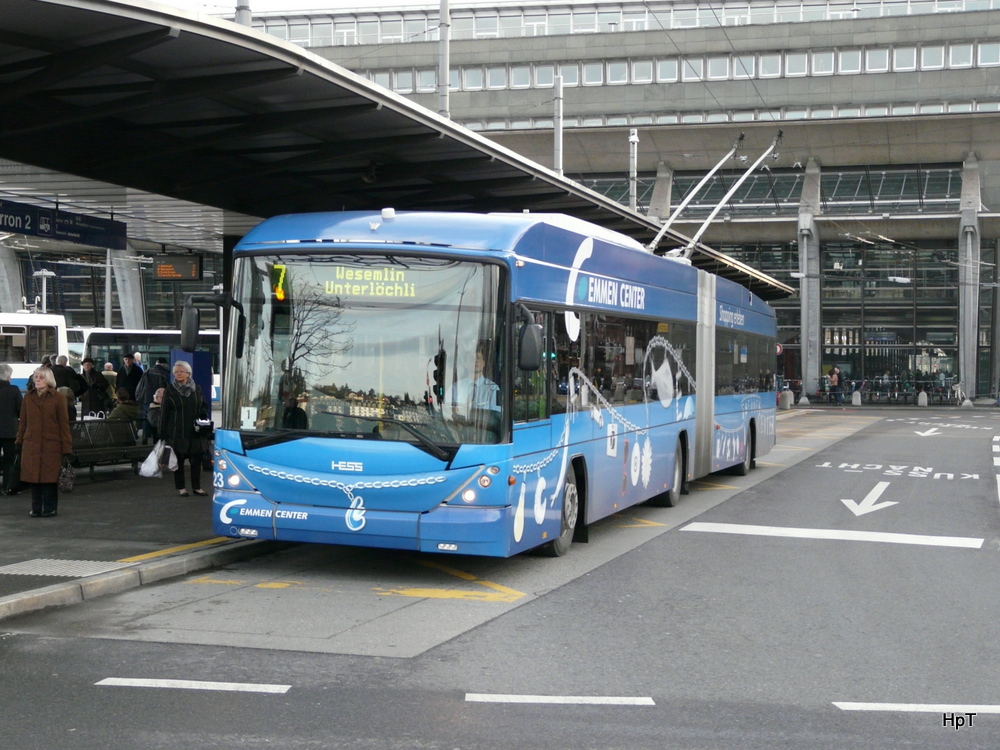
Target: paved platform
113 532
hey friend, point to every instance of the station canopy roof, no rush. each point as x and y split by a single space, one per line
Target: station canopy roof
189 128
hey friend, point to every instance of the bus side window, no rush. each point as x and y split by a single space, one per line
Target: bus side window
531 401
565 356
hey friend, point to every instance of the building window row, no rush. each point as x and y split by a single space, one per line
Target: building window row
757 115
325 30
898 190
700 68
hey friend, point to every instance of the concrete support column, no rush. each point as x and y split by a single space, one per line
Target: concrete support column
968 276
11 285
809 284
659 201
128 280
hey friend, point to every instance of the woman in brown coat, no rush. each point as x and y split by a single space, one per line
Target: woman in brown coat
44 436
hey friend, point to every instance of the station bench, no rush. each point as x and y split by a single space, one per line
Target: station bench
101 442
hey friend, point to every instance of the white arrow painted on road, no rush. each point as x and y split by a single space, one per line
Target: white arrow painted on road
868 504
931 431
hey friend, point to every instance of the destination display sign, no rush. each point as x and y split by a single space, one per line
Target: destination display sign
19 218
176 267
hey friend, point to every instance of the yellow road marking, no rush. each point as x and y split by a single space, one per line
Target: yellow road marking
450 571
700 485
476 596
499 593
278 584
220 581
641 524
172 550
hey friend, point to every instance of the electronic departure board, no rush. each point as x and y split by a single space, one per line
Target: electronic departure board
176 267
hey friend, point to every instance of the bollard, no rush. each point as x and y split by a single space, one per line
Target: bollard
786 399
856 398
922 398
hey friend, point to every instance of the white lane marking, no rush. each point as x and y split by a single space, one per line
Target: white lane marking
240 687
868 505
929 708
848 536
601 700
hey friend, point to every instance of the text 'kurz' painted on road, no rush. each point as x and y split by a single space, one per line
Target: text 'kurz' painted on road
894 470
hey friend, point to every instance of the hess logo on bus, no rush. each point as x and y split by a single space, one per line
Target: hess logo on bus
346 466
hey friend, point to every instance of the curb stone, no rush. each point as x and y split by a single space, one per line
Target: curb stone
140 574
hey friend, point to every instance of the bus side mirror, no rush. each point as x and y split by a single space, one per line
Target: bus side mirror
191 321
190 325
529 347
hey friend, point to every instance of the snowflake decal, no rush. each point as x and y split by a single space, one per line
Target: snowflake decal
647 462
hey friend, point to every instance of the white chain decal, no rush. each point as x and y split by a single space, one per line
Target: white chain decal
347 489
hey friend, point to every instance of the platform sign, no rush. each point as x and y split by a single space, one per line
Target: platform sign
177 267
20 218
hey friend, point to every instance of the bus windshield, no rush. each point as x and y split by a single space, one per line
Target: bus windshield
387 347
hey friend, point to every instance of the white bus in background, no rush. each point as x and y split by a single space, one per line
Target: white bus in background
26 337
111 344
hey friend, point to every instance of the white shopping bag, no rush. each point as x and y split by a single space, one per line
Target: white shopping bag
150 467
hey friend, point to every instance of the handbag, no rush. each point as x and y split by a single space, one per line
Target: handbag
67 475
204 427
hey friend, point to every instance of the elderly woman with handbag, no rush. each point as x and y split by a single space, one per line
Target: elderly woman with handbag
44 436
183 404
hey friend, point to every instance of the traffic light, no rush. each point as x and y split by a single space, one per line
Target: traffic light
440 363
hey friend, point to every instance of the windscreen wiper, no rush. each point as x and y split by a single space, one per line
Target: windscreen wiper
284 435
433 448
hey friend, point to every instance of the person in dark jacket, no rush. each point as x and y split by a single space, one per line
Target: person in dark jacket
67 377
44 436
10 412
98 396
129 376
153 379
183 403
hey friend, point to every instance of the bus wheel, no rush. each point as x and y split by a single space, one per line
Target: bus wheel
743 468
671 497
570 513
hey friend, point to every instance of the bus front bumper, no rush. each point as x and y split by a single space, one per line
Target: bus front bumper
450 529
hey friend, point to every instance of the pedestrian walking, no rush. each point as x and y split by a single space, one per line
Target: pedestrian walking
10 412
44 437
183 403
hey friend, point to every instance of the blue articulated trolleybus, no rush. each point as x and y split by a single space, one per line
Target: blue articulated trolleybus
475 384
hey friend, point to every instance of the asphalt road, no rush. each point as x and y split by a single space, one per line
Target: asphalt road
841 596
